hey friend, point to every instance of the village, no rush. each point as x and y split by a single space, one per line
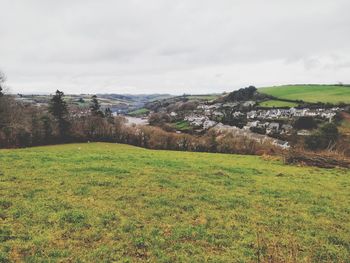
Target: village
273 122
245 118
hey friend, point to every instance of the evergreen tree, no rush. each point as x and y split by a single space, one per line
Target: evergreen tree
47 128
58 108
109 115
96 107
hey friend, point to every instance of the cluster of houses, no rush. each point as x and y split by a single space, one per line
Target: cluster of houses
204 123
270 127
200 121
251 135
216 110
327 114
272 121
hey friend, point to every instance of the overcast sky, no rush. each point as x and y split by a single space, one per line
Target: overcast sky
167 46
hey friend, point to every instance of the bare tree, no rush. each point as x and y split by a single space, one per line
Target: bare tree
2 81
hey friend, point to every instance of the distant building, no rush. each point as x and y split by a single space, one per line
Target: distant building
273 128
304 133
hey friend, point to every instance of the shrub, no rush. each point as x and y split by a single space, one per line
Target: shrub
305 123
325 137
330 132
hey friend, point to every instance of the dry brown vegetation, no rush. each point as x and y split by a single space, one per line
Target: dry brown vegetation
323 159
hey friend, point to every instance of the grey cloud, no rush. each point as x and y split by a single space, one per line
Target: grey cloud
161 45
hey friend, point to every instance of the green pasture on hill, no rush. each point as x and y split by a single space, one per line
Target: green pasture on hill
277 104
208 97
182 125
310 93
139 112
103 202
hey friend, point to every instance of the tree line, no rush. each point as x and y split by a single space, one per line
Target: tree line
24 125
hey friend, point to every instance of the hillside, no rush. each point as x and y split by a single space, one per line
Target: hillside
310 93
116 102
277 104
102 202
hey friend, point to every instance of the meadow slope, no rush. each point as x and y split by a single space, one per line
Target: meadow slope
102 202
310 93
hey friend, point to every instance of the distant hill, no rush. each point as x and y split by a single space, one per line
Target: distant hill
310 93
117 102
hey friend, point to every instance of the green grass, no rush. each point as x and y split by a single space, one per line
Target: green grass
203 97
139 112
310 93
277 103
102 202
182 125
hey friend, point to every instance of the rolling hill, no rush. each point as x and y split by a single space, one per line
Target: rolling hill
277 103
310 93
103 202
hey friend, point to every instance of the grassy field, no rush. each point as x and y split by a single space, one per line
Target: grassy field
277 103
104 202
182 125
208 97
139 112
310 93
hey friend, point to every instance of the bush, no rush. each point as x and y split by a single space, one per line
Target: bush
325 137
305 123
314 142
259 130
330 132
158 119
24 138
